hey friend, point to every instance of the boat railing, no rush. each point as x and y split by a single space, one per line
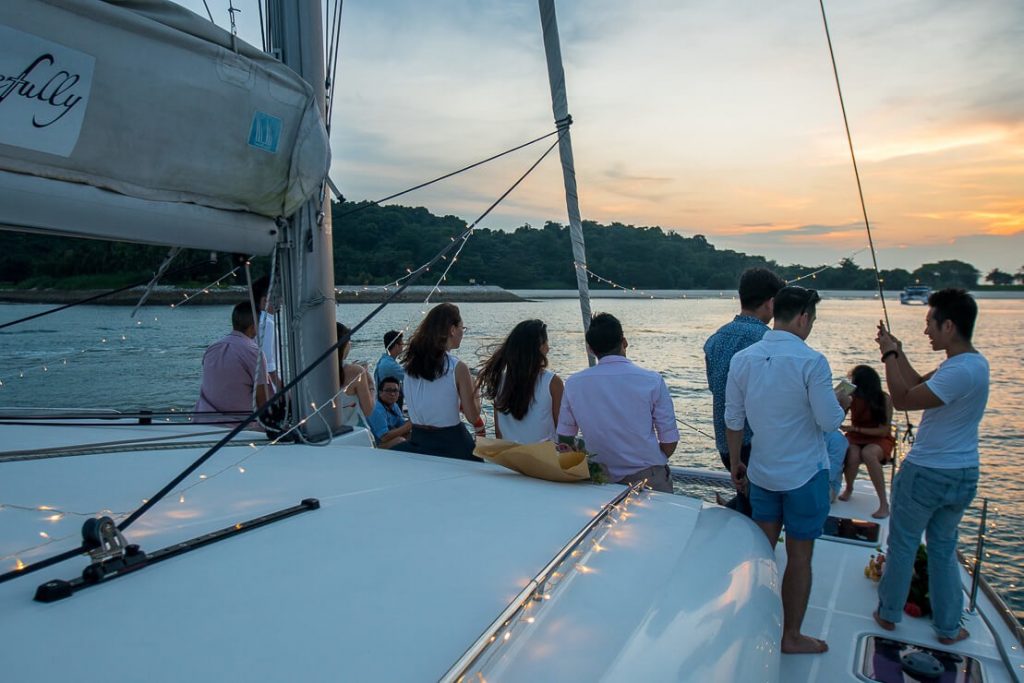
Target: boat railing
539 588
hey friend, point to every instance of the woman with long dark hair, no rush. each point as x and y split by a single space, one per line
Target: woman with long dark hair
438 386
525 394
357 400
869 434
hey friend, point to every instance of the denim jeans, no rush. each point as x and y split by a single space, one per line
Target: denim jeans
932 501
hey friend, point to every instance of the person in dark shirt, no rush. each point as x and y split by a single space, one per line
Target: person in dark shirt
758 287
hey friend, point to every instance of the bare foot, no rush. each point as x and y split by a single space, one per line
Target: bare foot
884 623
881 513
803 645
963 635
845 495
719 500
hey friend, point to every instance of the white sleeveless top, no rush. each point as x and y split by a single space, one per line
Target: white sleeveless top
433 403
538 423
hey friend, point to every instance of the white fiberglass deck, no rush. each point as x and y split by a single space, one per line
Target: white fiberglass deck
843 599
407 562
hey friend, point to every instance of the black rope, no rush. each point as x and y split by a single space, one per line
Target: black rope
860 190
367 205
34 422
209 13
96 297
122 416
262 410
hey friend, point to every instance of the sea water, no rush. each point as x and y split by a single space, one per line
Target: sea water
99 357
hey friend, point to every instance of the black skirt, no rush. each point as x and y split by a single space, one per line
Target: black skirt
447 442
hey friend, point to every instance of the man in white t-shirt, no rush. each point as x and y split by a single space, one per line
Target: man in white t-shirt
939 477
782 388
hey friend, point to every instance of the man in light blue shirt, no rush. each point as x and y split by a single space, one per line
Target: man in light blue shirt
757 290
783 388
939 477
388 365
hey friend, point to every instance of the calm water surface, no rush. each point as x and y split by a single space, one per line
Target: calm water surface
92 357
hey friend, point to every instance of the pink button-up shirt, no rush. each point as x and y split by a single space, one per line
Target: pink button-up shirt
229 372
624 412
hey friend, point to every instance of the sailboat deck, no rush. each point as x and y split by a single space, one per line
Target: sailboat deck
843 599
408 561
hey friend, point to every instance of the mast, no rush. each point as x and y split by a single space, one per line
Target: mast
307 264
560 107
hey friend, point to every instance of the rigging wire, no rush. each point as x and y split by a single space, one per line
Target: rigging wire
263 30
96 297
377 202
853 158
333 44
206 289
209 13
256 415
860 192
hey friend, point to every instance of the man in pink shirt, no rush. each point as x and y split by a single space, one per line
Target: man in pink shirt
624 411
229 373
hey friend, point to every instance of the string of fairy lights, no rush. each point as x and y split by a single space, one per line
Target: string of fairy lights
646 294
578 559
49 363
55 514
332 402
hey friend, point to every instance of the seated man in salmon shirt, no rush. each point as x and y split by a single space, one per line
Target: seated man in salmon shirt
230 373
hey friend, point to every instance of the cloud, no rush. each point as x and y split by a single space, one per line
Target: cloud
720 117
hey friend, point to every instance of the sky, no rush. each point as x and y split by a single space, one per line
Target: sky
702 117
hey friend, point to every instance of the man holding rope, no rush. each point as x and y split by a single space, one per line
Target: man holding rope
939 476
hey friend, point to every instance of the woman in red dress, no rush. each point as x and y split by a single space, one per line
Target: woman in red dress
869 434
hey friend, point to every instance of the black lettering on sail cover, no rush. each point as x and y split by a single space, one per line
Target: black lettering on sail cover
54 88
45 89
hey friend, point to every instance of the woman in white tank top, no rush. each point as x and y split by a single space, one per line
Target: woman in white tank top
438 387
525 394
357 401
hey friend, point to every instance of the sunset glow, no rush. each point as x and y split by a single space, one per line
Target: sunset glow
706 118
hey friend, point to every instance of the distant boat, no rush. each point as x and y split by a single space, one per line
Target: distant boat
915 294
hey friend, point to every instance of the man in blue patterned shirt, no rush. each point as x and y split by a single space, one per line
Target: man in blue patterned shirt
758 287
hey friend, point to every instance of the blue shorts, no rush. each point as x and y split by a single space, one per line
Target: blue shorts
802 511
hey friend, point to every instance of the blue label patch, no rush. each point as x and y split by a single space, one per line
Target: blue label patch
265 133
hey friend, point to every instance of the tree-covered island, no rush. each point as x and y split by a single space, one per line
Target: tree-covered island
376 244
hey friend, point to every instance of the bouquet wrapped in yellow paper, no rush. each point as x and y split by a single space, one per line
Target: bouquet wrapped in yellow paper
538 460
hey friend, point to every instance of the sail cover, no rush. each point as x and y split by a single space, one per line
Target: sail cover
142 108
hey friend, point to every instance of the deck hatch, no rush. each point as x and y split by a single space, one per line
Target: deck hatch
892 661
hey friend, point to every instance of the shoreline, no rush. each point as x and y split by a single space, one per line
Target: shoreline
370 294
